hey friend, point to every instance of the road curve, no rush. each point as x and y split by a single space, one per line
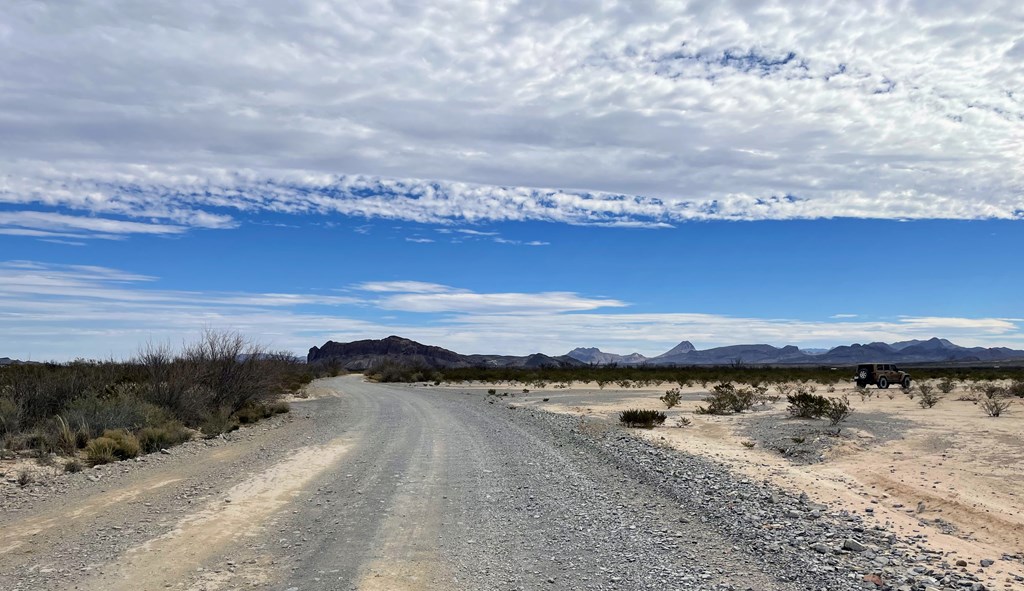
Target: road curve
377 487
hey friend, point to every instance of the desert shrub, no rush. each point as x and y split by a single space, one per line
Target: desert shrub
804 405
492 391
946 385
95 414
65 438
641 418
726 399
995 406
683 422
25 478
218 423
748 444
72 466
100 451
279 408
252 413
152 439
671 398
126 445
10 415
929 397
44 458
838 411
1016 389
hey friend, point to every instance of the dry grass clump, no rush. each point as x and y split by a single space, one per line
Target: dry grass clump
153 439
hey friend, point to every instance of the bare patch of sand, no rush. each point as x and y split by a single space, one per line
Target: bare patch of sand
238 514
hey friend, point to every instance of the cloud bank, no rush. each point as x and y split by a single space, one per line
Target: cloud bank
63 312
170 116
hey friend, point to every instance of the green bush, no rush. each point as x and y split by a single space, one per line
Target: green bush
805 405
928 396
153 439
671 398
642 418
96 415
726 399
839 410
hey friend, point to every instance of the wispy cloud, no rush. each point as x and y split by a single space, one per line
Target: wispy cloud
607 114
63 312
403 287
418 240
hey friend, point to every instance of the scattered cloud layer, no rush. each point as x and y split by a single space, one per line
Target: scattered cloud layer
63 312
169 116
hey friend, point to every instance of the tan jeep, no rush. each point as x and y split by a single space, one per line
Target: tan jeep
881 374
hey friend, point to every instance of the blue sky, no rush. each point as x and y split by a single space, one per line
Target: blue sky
510 178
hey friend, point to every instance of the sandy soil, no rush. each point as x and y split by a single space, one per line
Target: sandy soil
950 476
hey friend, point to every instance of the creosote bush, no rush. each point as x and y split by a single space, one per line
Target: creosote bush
726 399
671 398
995 402
929 397
804 405
642 418
838 411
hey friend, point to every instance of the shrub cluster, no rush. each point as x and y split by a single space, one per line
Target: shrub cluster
152 402
647 375
804 405
642 418
726 399
671 398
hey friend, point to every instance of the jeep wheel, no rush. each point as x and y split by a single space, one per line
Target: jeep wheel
863 375
906 382
883 383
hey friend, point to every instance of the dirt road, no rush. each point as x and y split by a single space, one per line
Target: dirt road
382 487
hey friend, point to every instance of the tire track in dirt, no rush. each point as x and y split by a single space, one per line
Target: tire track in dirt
209 532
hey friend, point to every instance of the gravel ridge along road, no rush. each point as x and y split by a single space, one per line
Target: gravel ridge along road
388 487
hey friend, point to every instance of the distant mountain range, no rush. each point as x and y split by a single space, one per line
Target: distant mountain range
933 350
360 355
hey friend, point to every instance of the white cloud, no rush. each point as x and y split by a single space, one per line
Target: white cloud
437 112
403 287
494 303
63 312
419 240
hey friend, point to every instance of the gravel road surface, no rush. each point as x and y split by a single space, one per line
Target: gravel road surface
383 487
